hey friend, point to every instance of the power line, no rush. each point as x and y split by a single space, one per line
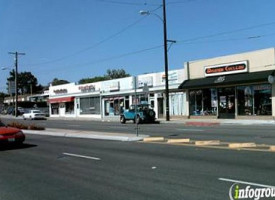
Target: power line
112 58
91 47
228 32
127 3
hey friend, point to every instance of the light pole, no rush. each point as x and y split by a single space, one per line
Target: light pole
165 54
16 82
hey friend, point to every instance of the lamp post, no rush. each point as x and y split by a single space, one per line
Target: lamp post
165 54
16 82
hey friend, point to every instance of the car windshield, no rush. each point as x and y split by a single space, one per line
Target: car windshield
1 124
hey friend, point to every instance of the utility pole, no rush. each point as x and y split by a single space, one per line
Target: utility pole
166 61
16 81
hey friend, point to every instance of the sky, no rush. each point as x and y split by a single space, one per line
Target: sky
75 39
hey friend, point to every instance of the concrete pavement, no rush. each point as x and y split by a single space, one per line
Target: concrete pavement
87 134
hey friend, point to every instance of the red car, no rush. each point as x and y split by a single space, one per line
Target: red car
11 135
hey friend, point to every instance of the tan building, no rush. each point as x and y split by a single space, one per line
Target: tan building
234 86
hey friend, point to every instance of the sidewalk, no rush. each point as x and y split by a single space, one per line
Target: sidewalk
87 134
187 122
218 122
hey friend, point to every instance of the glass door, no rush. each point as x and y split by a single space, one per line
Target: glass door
226 102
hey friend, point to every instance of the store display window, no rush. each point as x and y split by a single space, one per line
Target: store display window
254 100
203 102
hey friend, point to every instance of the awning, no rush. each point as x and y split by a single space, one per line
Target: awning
235 79
61 100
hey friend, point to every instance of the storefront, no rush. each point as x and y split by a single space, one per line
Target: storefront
234 86
110 98
61 101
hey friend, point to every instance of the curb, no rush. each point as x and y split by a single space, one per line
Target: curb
87 135
207 142
186 140
241 145
153 139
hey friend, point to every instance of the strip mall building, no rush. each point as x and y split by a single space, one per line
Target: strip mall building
106 98
239 86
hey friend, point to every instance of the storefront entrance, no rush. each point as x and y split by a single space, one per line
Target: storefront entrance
226 102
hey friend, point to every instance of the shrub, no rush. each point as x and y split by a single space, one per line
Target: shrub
34 127
22 126
18 125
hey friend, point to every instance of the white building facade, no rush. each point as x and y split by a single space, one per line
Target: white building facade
107 99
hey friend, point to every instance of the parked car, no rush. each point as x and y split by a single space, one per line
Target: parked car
34 114
11 135
143 114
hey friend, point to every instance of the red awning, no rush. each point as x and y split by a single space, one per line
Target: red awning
61 100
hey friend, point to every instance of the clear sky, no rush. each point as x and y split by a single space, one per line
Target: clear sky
74 39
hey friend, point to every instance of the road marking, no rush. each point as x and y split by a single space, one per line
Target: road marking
81 156
189 129
244 182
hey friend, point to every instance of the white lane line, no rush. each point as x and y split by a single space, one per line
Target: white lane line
81 156
73 125
244 182
189 129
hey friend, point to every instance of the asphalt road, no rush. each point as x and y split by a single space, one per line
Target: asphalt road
126 170
260 134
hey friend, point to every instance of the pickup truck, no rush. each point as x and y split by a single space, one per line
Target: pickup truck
34 114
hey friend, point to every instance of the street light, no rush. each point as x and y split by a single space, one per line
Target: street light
142 12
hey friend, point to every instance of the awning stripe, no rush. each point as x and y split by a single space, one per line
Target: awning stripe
61 100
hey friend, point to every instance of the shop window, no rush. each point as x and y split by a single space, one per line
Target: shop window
69 106
90 105
115 106
254 100
203 102
55 109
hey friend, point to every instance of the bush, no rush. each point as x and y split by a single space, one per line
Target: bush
22 126
18 125
34 127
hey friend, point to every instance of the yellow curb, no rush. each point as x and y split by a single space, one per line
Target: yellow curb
241 145
207 142
152 139
186 140
272 148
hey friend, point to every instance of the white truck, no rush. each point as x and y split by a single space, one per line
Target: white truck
34 114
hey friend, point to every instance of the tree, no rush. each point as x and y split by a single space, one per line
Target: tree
27 83
92 80
110 74
56 81
116 73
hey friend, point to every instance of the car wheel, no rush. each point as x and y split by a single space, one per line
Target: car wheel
122 120
151 113
24 118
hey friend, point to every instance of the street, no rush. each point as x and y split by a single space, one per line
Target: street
260 134
45 169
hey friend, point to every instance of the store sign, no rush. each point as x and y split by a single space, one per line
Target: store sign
231 68
60 91
87 88
172 77
220 79
145 80
114 86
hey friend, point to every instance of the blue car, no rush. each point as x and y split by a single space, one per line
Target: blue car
143 114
